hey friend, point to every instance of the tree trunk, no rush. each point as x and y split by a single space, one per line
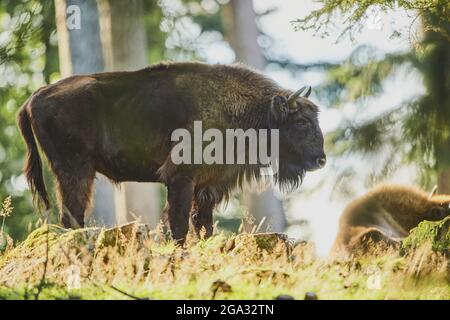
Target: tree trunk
435 62
124 47
80 52
243 33
443 182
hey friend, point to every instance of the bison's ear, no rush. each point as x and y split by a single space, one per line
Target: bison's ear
279 108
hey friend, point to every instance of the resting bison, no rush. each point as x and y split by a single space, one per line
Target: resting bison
120 124
384 216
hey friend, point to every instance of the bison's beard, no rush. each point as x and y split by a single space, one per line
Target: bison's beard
290 176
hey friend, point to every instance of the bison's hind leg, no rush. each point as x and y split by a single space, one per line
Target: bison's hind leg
74 196
372 240
72 164
66 133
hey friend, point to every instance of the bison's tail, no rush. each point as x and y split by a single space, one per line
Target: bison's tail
33 164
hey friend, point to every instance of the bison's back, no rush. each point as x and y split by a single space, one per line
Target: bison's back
102 120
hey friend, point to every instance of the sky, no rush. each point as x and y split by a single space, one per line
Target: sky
320 207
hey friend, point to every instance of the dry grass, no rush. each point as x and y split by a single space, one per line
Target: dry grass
133 264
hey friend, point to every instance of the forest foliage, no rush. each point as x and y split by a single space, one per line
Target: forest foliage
414 132
417 130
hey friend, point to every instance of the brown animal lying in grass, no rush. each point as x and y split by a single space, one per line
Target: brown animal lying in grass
383 216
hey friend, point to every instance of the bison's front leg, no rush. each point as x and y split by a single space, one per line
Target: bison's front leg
180 193
202 217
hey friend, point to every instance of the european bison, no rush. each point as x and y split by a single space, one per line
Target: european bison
120 124
384 216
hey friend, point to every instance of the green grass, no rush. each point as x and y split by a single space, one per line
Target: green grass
129 265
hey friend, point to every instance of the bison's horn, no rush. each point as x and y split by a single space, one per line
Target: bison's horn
293 98
308 92
433 192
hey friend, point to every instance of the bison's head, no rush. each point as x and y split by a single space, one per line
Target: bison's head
301 139
438 212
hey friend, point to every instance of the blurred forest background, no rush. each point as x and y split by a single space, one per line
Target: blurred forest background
368 138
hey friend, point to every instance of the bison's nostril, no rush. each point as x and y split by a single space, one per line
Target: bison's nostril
321 162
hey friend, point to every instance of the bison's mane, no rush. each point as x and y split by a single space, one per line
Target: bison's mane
256 91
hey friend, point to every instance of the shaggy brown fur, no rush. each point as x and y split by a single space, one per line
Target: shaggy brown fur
385 215
120 124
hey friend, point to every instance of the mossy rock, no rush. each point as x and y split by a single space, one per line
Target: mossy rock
128 232
59 235
58 238
35 245
436 233
263 241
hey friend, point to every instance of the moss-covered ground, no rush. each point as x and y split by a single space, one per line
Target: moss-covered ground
130 263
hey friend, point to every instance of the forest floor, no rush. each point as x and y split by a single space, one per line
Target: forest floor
131 263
